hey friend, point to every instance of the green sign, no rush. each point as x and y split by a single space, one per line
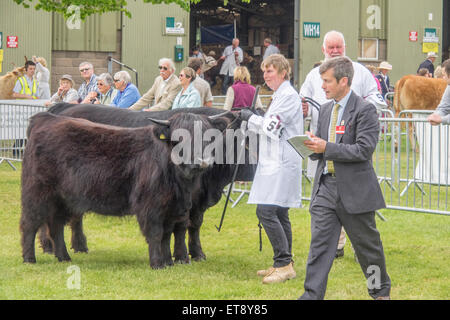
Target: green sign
311 29
170 22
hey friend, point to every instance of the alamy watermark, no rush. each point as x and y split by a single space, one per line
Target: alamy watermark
74 20
232 146
74 280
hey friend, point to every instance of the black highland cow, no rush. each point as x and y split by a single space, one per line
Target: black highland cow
72 166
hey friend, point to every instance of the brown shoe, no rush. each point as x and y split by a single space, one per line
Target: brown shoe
263 273
280 274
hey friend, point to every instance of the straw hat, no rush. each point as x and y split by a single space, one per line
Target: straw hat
431 54
385 65
68 77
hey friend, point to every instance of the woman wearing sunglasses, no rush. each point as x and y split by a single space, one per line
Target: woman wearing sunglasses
188 97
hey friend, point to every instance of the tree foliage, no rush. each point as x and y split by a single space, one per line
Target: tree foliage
90 7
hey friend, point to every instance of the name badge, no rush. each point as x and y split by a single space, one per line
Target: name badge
340 129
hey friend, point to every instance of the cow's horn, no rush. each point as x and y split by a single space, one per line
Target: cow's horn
214 117
158 121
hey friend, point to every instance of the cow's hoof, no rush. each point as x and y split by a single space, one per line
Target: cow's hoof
47 247
183 260
64 259
200 257
80 250
158 266
29 260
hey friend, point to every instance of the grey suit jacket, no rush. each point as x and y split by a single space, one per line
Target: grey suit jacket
357 182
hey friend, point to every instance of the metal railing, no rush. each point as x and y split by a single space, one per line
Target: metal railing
14 117
411 160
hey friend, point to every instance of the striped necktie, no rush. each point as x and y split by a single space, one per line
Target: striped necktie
332 137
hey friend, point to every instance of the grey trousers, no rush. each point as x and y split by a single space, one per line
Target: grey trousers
275 221
327 217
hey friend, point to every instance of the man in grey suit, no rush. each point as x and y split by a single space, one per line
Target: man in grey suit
346 190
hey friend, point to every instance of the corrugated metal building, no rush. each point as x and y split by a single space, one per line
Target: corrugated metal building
375 30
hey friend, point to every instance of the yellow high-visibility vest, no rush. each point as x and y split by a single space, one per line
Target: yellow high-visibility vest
26 89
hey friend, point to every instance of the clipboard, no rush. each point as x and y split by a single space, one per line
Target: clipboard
297 143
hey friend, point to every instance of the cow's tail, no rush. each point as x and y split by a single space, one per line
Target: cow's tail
60 107
397 92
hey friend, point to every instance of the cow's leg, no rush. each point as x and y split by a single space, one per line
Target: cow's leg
78 241
180 251
195 247
45 240
56 228
165 246
28 228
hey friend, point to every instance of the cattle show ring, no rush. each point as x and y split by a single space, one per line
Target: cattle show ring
105 257
221 201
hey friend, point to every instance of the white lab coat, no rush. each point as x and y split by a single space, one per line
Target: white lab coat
363 84
278 175
229 64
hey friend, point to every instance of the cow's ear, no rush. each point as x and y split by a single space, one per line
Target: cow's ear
162 133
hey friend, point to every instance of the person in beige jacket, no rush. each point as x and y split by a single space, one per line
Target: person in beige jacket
164 89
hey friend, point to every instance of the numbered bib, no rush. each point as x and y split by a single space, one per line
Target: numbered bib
272 127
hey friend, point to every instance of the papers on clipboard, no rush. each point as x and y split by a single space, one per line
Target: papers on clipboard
297 144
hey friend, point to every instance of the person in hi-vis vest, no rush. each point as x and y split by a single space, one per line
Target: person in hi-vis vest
27 86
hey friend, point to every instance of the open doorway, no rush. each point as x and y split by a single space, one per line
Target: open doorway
213 26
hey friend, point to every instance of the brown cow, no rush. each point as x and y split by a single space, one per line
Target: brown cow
417 93
8 81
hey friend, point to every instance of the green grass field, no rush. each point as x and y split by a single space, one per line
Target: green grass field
417 248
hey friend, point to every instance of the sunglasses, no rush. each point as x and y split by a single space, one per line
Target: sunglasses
84 70
116 80
184 76
164 68
100 84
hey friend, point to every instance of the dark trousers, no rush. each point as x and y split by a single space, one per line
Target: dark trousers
227 81
275 221
327 217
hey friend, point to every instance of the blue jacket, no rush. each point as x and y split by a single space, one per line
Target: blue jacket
127 97
189 99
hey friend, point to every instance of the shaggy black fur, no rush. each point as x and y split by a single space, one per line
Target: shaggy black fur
72 166
206 192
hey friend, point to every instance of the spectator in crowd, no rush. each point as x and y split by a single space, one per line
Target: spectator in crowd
66 92
428 63
88 90
27 86
277 183
164 90
188 97
442 113
424 72
363 84
240 94
196 53
43 77
210 61
439 72
345 173
107 91
383 78
270 48
373 71
127 93
232 57
200 84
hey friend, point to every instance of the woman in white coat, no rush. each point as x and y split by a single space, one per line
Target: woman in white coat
277 183
43 77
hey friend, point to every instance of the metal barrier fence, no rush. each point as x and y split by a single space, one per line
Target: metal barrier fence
14 116
219 101
411 159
